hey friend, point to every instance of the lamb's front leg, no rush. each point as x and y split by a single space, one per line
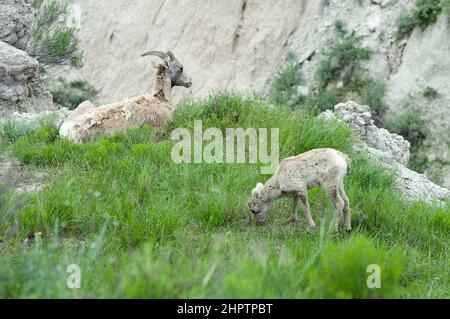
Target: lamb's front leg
310 221
295 205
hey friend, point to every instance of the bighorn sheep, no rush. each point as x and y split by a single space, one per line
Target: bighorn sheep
324 167
153 109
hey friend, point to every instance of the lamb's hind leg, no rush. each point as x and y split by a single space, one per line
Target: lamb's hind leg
305 204
346 210
296 203
338 204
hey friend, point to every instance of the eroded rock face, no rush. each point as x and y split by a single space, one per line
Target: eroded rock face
17 71
16 18
392 147
391 150
21 88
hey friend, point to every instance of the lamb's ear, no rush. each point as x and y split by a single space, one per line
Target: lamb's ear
256 192
256 195
260 186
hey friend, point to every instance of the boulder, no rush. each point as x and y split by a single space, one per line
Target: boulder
391 150
21 88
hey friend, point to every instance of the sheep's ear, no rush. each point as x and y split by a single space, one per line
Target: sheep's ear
166 63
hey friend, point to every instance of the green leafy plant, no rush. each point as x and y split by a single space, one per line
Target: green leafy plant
430 93
372 93
50 41
424 14
341 61
284 84
73 93
340 27
411 125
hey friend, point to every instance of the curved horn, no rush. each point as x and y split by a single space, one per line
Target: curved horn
160 54
172 56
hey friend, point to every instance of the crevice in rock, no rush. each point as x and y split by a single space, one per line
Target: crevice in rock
395 57
237 32
158 12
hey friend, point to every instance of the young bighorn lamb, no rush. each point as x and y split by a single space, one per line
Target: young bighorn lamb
153 109
324 167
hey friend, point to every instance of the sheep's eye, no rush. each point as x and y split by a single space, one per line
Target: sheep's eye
181 69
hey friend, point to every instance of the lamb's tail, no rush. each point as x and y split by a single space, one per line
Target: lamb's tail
349 162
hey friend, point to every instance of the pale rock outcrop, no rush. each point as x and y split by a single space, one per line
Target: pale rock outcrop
21 88
16 19
391 150
391 147
17 71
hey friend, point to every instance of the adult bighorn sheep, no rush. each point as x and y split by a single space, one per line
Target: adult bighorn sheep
153 109
324 167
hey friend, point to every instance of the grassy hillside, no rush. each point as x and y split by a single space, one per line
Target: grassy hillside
139 225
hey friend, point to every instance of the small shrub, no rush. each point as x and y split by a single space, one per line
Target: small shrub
324 100
340 27
405 25
50 41
427 12
413 128
37 3
372 94
341 61
285 82
424 14
446 5
430 93
12 129
71 94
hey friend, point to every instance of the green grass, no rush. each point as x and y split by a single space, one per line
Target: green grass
12 129
141 226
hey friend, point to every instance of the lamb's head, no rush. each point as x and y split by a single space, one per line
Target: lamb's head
173 68
256 205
